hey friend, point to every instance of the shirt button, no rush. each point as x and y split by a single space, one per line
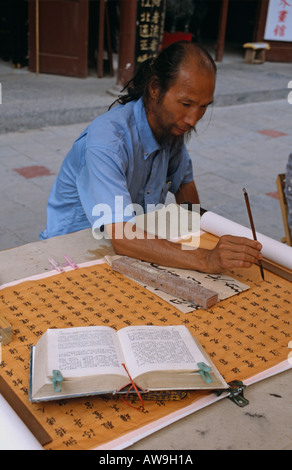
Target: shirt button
146 154
148 191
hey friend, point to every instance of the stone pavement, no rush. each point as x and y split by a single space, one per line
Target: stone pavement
237 145
30 101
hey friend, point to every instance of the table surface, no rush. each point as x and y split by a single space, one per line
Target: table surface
266 423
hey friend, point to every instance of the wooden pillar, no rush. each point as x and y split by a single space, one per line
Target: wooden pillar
127 40
222 31
37 36
104 25
101 38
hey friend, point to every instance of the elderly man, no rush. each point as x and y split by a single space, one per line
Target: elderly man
136 153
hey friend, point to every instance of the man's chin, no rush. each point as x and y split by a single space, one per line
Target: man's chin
178 138
189 134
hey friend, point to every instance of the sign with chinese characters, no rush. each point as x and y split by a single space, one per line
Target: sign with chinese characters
279 21
150 28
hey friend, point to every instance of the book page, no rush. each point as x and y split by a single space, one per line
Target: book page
78 352
152 348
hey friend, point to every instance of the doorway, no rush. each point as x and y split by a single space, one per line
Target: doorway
240 27
13 32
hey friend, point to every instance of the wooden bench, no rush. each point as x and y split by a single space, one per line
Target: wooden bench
255 52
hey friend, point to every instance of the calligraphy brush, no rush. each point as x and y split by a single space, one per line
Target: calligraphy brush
252 227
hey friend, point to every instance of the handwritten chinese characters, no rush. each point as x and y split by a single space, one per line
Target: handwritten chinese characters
279 20
245 334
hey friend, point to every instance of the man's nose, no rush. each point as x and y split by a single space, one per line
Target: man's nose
192 118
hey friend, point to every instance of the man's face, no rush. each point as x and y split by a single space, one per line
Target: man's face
183 105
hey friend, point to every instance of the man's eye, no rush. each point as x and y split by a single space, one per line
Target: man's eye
186 104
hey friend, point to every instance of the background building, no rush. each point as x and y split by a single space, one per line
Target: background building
73 37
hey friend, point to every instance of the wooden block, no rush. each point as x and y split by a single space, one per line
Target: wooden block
185 289
24 413
5 331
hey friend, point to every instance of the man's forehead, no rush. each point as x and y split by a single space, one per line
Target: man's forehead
193 70
190 79
193 87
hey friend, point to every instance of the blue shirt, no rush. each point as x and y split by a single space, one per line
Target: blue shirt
115 162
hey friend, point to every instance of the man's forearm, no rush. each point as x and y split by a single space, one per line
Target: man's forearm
156 250
230 251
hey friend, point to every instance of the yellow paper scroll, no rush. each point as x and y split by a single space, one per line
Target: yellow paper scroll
244 335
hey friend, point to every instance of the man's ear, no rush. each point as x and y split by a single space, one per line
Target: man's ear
154 89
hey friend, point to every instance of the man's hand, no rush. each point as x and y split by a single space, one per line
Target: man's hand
233 252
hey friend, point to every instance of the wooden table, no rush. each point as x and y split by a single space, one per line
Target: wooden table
264 424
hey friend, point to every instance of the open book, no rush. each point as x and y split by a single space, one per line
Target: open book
83 361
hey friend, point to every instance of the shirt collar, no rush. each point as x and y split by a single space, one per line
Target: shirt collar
148 141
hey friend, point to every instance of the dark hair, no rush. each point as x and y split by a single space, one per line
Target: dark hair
164 69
